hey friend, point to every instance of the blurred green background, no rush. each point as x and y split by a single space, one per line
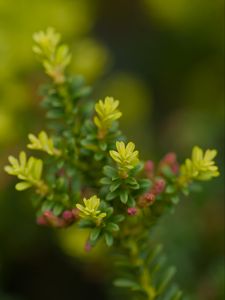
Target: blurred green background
164 60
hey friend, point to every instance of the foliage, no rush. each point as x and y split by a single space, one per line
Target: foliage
55 58
125 156
95 180
29 171
107 113
200 167
91 209
42 143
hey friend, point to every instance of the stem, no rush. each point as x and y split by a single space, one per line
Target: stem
145 276
146 283
42 188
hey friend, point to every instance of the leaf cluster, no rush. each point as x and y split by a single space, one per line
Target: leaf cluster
94 179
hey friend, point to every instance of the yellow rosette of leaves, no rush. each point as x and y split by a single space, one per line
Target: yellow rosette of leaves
125 157
27 170
107 112
90 209
43 143
201 166
54 57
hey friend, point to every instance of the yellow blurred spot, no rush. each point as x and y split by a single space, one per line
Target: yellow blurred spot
185 14
72 241
6 127
90 59
135 98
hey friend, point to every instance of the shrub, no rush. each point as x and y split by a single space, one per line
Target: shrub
92 176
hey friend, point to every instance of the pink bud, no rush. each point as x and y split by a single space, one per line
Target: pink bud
175 168
170 158
150 197
132 211
76 213
87 247
60 223
149 167
68 215
53 220
41 221
48 214
159 186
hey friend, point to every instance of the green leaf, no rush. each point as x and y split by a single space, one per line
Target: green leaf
172 293
167 172
23 159
82 92
60 183
135 187
95 234
177 296
114 178
108 239
58 208
103 146
145 184
166 279
76 82
21 186
127 283
118 218
131 181
30 165
109 211
124 197
55 113
185 191
112 227
98 156
110 171
154 253
47 205
159 263
170 189
114 186
195 187
175 199
85 142
60 164
56 102
111 196
105 181
84 223
131 202
88 125
138 168
69 135
46 102
37 169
